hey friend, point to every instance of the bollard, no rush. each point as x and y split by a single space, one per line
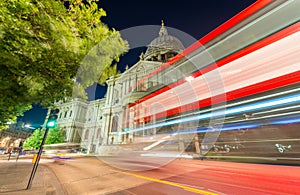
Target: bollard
34 158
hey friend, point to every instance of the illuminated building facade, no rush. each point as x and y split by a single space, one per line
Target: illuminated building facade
100 122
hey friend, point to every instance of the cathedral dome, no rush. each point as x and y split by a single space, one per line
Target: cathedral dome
163 47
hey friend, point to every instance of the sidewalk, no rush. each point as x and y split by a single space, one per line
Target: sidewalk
15 176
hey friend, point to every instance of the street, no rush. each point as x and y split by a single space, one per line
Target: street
150 98
182 176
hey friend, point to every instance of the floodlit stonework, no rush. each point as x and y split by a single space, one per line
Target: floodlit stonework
100 122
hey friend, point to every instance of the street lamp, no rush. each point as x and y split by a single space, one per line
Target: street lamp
52 118
51 123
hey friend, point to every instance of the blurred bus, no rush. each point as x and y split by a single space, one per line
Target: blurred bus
237 90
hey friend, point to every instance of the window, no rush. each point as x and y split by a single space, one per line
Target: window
99 133
150 84
114 127
86 135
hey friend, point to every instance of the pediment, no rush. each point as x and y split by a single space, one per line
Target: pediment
142 66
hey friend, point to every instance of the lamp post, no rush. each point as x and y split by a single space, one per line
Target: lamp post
35 166
51 123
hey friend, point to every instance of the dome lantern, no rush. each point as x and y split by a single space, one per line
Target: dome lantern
163 47
163 31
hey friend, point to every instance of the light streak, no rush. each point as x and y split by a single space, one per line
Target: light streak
266 104
270 62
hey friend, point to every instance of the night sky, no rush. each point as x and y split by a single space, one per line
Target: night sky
196 18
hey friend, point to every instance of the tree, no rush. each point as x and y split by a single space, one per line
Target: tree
55 135
35 140
46 45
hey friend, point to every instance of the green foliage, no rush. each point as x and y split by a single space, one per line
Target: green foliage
54 136
35 140
44 46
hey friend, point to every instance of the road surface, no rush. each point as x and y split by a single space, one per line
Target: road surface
182 176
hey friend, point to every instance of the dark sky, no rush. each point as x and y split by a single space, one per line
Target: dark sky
197 18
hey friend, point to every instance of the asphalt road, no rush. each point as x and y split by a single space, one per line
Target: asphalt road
186 176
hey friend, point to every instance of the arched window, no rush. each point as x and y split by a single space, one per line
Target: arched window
86 135
114 126
99 133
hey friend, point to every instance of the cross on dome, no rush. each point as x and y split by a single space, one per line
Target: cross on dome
163 31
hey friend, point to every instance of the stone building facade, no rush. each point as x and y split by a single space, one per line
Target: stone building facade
101 122
14 136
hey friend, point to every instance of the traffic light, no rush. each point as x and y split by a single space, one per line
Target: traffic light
52 118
